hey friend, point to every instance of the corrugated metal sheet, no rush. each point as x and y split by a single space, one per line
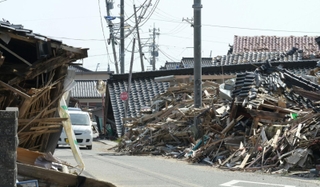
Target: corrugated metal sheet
142 93
275 44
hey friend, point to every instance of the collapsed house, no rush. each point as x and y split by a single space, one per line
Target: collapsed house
33 79
266 118
33 69
271 123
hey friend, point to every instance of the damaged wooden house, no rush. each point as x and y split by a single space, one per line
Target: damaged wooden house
269 121
33 74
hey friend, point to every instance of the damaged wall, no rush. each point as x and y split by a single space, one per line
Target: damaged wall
32 72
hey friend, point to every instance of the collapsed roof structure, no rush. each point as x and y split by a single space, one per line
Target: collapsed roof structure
297 54
33 70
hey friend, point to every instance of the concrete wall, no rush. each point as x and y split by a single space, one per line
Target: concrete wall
8 148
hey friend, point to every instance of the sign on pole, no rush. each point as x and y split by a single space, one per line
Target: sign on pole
124 96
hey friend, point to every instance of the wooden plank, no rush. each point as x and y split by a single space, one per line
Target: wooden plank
266 115
45 127
24 108
50 111
40 67
39 132
231 125
286 110
244 161
43 119
14 90
26 156
43 110
56 177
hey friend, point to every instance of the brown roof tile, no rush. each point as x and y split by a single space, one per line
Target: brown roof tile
275 44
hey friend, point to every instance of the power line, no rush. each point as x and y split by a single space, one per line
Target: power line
151 13
137 10
102 28
243 28
166 55
256 29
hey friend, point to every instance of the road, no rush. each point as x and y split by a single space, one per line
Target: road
157 171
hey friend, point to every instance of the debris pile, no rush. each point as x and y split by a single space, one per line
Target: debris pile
270 122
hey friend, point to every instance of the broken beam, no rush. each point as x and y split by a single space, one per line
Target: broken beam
16 55
14 90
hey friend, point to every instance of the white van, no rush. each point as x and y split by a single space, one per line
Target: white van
82 128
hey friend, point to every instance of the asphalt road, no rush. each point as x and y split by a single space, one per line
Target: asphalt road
157 171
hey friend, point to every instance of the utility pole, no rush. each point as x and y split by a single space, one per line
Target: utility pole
138 34
197 54
129 84
122 36
110 24
154 50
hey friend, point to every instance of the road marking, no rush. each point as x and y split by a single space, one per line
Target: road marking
233 182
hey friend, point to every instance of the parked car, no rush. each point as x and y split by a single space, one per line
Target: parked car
82 128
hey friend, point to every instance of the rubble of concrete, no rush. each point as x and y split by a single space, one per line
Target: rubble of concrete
263 120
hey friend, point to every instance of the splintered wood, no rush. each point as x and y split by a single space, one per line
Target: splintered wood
244 133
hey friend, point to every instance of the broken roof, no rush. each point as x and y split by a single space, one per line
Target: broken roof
33 69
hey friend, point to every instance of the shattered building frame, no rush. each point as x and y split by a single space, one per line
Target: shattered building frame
33 69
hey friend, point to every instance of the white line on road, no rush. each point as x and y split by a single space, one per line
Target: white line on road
233 182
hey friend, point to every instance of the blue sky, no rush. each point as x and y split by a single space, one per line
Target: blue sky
78 23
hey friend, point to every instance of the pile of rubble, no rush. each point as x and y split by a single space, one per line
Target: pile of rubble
263 120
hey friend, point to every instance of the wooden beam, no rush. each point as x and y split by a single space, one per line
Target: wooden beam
43 120
15 90
23 38
56 177
266 115
43 110
231 125
39 132
45 127
40 67
16 55
280 109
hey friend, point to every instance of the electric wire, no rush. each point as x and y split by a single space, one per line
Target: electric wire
136 10
131 31
176 30
102 29
150 13
166 55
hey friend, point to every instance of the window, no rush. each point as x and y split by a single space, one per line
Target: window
80 119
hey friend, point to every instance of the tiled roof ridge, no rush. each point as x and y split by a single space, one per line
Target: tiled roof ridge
274 43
